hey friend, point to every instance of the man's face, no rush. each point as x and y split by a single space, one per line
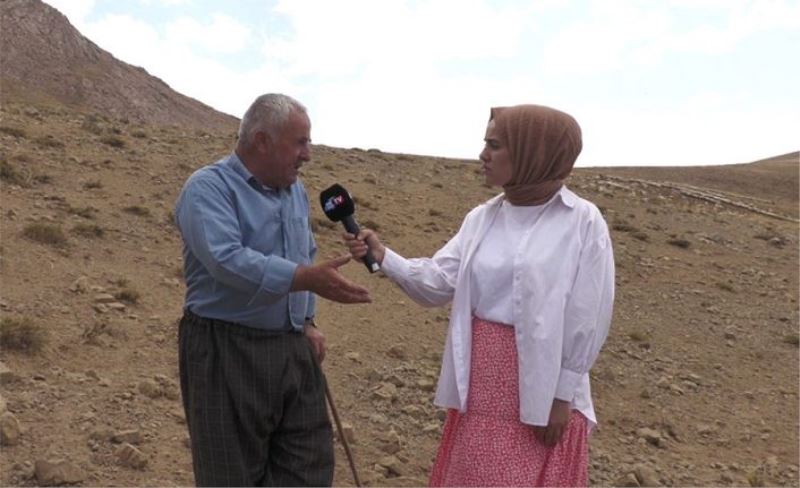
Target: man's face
496 159
284 155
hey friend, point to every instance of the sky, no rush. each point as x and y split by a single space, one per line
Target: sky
651 82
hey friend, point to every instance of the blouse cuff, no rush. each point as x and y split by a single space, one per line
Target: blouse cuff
568 382
394 265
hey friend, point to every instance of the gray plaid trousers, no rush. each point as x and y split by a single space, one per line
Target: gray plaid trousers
255 406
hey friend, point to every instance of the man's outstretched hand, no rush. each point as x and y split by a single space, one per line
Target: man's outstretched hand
325 280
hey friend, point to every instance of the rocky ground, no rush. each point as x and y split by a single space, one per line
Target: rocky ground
696 385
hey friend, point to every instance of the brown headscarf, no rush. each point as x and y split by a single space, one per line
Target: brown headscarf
543 143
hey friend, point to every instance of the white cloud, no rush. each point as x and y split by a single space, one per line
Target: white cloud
339 38
222 34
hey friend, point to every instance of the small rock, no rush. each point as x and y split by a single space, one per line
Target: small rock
426 384
104 298
386 391
57 472
9 429
397 351
627 480
130 456
392 464
645 475
131 436
650 435
5 373
150 389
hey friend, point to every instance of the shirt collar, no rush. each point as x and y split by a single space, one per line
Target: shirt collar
238 166
564 195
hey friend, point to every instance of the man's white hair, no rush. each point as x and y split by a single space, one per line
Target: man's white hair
268 113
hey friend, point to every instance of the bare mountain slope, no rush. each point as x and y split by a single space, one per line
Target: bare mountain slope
43 58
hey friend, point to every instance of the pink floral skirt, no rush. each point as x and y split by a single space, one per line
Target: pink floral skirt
488 445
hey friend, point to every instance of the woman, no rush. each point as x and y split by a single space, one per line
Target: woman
531 277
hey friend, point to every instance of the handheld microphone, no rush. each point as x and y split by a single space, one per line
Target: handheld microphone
338 206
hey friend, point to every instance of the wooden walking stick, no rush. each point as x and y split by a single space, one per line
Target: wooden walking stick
341 434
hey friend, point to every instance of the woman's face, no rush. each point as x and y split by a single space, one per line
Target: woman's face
496 159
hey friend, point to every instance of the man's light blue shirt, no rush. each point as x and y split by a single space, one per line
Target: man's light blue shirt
242 242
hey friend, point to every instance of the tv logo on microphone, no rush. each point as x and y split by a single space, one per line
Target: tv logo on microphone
332 203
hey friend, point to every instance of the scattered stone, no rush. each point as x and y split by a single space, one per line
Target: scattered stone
81 285
391 442
3 405
57 472
652 436
5 373
413 411
104 298
397 351
150 389
392 464
9 429
131 436
130 456
645 475
353 356
627 480
386 391
426 384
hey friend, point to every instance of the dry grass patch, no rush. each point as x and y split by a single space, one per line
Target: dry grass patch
13 131
49 234
113 141
137 210
128 295
91 231
10 174
21 335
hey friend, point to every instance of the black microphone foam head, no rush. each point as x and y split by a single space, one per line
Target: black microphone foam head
336 202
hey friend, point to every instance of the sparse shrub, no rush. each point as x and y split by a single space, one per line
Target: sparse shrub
92 124
13 131
90 185
113 141
139 134
44 179
137 210
793 339
637 336
85 212
127 295
623 227
21 335
48 141
725 286
642 236
682 243
22 158
49 234
92 231
10 174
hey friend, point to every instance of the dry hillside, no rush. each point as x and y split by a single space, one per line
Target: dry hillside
702 356
697 384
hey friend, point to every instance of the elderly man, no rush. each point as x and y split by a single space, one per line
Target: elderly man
252 387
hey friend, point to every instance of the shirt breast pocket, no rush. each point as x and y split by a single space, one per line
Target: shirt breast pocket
298 239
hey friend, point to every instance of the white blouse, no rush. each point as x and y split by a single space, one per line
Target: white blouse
492 271
561 300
